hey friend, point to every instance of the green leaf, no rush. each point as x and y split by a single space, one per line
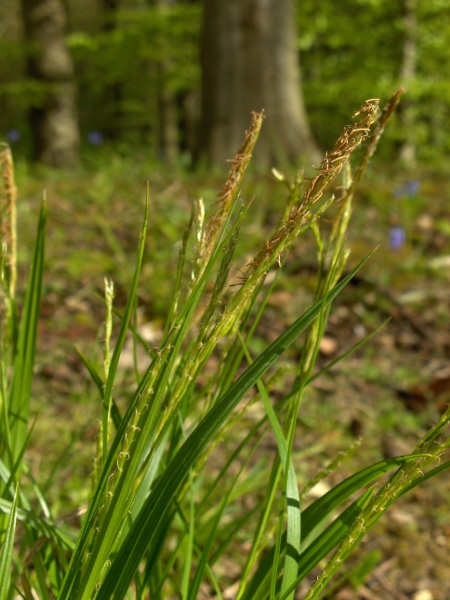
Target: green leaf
320 510
159 500
20 391
107 399
205 551
114 520
426 476
53 532
7 550
329 538
97 380
293 513
73 572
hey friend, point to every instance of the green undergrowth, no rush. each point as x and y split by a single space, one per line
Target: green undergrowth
201 481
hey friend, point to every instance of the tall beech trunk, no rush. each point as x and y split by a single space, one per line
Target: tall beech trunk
168 133
54 122
250 62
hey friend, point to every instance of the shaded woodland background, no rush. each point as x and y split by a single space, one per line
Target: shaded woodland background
178 79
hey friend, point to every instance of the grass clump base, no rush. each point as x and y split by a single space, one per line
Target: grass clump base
162 520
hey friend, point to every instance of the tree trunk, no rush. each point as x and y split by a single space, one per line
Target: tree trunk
250 62
54 122
168 133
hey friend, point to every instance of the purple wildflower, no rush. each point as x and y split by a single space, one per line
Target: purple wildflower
13 135
95 138
397 237
412 187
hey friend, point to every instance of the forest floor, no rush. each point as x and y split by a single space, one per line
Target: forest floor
388 392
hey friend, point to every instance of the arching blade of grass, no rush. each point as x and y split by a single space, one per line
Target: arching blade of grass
190 541
16 423
114 521
343 356
97 380
107 399
293 513
159 500
206 550
73 572
7 550
51 531
329 539
14 473
426 476
317 513
429 450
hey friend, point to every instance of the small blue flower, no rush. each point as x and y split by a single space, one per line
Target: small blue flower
95 138
13 135
412 187
397 237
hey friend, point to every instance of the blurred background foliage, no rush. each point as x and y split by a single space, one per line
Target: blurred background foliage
127 55
355 49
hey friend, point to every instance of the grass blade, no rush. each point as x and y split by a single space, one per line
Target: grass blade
330 538
20 391
7 550
76 560
317 512
107 399
139 537
293 513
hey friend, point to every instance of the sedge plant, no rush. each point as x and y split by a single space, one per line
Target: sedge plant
162 517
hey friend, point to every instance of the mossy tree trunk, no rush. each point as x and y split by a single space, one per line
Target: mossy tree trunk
54 121
250 62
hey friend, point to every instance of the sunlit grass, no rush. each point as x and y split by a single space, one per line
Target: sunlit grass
199 459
